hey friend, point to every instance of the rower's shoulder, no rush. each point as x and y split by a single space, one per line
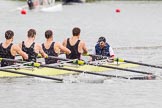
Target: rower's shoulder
20 44
65 40
57 44
15 47
39 45
82 42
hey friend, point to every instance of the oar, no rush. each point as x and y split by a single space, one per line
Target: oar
93 55
41 65
148 77
133 62
34 75
127 61
75 61
78 71
12 60
82 62
91 63
106 66
130 70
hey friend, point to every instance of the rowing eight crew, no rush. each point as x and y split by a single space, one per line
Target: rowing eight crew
73 47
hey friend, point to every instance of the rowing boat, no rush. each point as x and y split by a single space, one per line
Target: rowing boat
55 72
54 8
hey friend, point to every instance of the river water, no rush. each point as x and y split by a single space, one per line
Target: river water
134 33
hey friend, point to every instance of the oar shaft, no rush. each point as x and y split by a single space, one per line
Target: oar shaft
34 75
143 64
106 75
58 58
67 69
81 71
75 61
130 70
12 60
106 66
127 61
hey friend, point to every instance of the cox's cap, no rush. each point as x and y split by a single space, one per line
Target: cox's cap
102 39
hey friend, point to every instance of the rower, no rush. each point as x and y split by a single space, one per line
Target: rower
8 50
75 45
103 48
52 48
32 48
30 4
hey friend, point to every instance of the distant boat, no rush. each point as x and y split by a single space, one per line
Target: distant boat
54 8
66 2
44 5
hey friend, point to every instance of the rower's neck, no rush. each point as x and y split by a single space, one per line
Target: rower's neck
75 37
9 41
30 39
49 40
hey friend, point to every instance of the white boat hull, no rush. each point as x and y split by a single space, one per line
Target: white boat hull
54 8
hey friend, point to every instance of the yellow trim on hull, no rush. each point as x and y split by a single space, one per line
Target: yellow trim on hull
54 72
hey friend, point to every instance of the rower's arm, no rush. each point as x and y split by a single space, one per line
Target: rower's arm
44 55
64 49
64 43
85 50
18 50
20 45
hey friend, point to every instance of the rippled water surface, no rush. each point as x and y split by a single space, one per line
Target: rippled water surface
134 33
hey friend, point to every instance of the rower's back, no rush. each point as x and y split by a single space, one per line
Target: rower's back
75 45
49 47
9 51
6 53
32 48
28 46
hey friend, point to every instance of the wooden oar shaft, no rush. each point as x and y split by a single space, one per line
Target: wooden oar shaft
34 75
81 71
